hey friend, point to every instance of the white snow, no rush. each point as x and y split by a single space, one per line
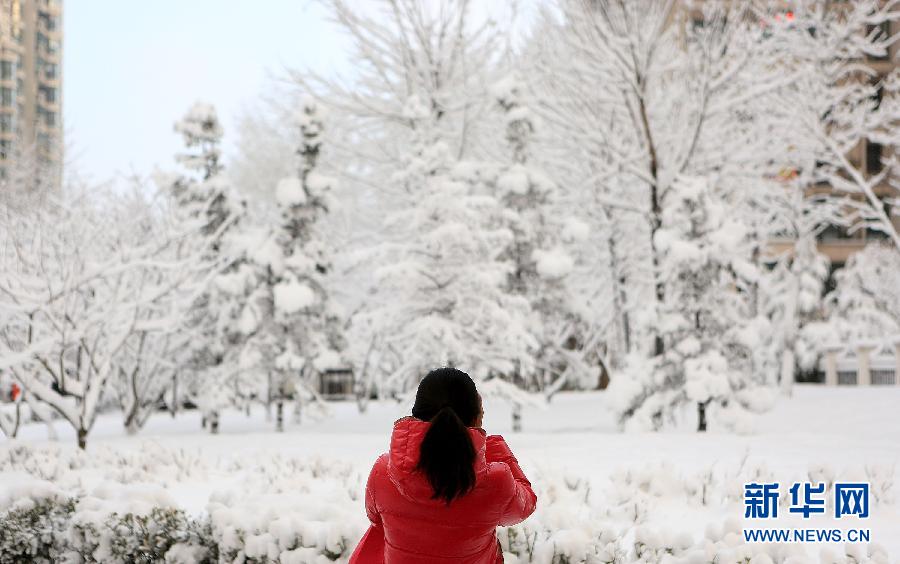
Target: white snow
328 359
515 180
554 263
319 183
290 192
292 296
575 230
308 481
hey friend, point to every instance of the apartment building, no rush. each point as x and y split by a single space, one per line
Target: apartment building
837 242
31 44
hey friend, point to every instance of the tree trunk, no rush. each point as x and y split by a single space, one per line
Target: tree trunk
82 439
517 418
620 300
655 213
279 416
174 407
214 423
131 426
269 397
787 371
701 416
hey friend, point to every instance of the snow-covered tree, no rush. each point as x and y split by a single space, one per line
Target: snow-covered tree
865 304
440 294
837 103
705 321
637 94
795 303
539 254
147 362
437 56
77 287
206 198
297 330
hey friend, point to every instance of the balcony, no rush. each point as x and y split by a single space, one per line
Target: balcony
53 7
51 55
48 105
51 32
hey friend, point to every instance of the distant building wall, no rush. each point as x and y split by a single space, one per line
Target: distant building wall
31 52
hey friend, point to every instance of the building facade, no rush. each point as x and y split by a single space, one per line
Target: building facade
838 242
31 134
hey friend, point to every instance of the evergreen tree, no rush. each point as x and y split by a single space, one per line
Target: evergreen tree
298 329
440 292
206 198
541 262
705 319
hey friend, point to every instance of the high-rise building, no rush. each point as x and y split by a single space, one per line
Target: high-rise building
31 88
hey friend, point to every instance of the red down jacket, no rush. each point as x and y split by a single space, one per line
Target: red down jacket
408 527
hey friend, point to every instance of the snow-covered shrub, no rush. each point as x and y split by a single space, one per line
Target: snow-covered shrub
60 504
151 537
35 531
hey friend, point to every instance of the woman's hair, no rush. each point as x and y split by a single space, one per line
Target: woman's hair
447 397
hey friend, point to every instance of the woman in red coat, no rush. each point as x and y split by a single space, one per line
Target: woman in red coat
443 488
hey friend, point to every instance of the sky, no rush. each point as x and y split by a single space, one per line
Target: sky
133 67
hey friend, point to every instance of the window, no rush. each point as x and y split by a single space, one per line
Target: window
50 46
877 233
6 123
46 117
48 20
43 142
49 70
6 70
5 148
48 94
834 233
873 157
874 150
7 97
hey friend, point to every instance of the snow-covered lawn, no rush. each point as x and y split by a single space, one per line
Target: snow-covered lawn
585 471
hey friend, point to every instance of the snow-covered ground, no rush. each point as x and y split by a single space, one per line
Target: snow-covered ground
668 482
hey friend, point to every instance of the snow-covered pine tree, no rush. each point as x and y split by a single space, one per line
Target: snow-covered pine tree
706 363
299 332
206 198
440 294
810 267
540 258
794 302
402 55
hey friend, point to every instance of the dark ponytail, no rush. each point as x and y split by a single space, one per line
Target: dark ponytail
448 399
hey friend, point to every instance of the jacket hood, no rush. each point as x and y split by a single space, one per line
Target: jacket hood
403 457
